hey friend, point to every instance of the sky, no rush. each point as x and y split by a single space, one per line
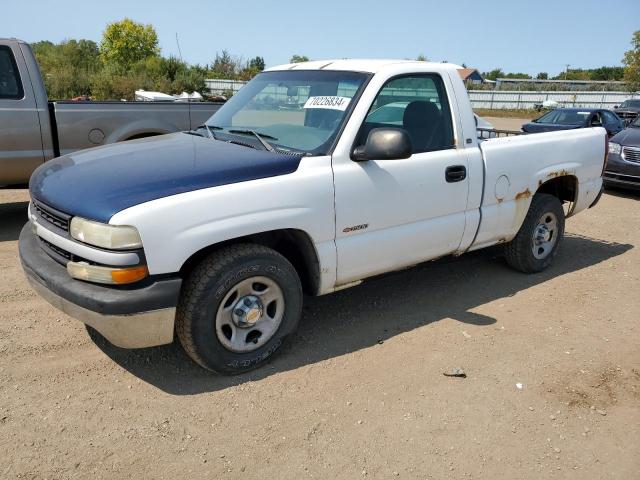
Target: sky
515 35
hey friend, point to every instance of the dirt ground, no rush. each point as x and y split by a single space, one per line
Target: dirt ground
507 123
360 391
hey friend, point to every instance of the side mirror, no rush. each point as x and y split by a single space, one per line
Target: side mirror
384 144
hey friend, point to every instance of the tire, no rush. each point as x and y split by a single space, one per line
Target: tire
534 248
237 307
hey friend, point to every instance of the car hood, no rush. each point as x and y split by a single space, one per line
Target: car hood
100 182
629 136
533 127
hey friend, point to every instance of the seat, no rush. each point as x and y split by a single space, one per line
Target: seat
423 121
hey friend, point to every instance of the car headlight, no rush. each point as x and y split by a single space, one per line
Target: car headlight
615 148
112 237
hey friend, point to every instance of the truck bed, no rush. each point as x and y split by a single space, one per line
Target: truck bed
513 173
88 124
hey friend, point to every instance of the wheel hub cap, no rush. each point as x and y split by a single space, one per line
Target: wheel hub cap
545 236
250 314
247 311
542 234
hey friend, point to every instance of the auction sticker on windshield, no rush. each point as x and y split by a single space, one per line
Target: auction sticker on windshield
331 102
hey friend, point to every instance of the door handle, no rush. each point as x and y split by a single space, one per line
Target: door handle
455 173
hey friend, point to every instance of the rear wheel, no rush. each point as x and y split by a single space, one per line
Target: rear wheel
537 242
237 308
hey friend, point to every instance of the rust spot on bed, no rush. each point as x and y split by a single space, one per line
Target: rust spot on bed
523 195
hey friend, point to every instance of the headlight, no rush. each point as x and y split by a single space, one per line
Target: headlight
615 148
112 237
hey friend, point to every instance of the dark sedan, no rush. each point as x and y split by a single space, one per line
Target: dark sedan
570 118
623 167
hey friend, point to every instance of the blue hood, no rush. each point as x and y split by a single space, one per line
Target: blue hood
100 182
629 137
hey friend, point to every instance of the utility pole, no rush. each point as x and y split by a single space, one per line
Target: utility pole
566 72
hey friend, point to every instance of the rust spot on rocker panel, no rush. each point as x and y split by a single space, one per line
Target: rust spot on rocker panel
524 194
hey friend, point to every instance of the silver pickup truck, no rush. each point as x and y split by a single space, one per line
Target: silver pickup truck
34 130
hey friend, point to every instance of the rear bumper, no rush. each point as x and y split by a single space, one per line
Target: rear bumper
128 318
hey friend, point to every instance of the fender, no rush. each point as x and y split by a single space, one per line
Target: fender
140 127
175 227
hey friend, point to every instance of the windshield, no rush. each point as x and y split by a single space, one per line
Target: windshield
564 117
636 122
630 104
294 110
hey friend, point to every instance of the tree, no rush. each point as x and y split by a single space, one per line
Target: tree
126 42
67 66
493 74
421 58
299 59
542 76
607 73
631 61
225 66
257 63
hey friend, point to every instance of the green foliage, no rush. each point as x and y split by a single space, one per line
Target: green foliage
298 59
493 74
516 75
542 76
257 63
420 58
631 61
126 43
67 66
225 66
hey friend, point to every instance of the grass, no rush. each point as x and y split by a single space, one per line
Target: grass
506 113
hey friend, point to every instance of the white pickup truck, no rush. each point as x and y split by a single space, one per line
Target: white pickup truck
302 183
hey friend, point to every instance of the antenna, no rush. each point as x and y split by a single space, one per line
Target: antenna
178 43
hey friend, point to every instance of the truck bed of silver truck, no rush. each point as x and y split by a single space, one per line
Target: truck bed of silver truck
34 130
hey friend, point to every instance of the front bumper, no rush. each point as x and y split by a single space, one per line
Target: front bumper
622 173
127 317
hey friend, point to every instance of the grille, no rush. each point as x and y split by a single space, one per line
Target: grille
631 154
627 115
57 250
52 216
60 255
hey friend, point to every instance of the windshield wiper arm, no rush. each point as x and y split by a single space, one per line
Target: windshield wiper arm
210 129
260 136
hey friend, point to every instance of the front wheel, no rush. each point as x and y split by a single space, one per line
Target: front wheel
237 307
536 244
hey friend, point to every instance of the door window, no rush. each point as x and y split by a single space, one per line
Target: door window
610 119
417 104
10 85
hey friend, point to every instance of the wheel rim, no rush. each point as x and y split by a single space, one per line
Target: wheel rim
545 235
249 314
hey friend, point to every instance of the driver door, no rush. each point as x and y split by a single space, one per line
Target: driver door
396 213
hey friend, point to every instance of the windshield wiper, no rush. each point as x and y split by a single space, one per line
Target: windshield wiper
210 129
260 136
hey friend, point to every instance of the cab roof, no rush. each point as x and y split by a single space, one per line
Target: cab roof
358 65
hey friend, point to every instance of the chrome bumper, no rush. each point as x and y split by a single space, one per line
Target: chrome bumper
131 317
139 330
